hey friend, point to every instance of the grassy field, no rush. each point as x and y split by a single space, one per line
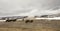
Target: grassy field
36 25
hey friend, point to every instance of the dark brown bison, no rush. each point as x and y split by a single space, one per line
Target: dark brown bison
28 21
11 20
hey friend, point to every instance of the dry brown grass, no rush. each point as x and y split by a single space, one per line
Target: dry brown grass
37 25
29 29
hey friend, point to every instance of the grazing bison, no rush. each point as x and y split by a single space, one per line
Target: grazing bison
11 20
28 21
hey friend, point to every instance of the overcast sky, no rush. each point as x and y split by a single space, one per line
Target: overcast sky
29 7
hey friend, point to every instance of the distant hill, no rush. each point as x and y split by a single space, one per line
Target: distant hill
50 16
12 17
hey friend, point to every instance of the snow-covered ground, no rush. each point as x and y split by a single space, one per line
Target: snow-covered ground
2 20
56 18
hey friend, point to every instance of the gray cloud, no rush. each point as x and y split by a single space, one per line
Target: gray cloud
28 7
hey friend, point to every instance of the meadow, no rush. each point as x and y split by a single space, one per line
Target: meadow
36 25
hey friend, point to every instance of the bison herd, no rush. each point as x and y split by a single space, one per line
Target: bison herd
13 20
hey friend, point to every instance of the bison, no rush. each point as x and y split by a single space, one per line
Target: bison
28 21
11 20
